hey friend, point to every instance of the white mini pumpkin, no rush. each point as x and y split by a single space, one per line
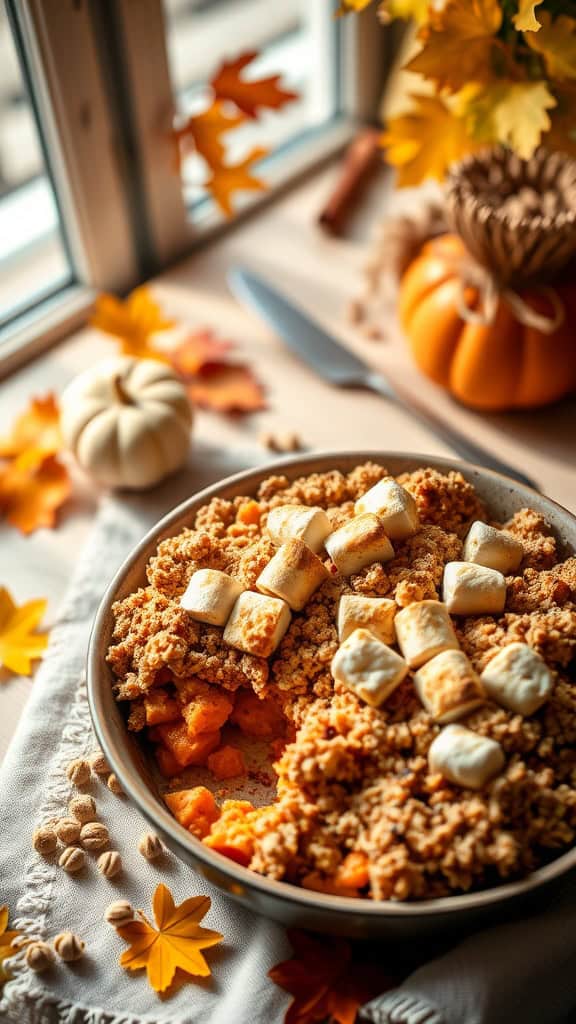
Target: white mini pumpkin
127 421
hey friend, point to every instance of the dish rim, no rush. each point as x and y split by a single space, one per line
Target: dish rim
238 877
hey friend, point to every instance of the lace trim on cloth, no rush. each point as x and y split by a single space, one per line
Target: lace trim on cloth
399 1008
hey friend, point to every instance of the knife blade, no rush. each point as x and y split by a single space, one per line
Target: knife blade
342 368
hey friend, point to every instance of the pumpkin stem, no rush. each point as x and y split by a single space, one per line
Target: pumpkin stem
121 393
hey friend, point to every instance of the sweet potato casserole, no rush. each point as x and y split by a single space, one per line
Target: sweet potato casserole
407 663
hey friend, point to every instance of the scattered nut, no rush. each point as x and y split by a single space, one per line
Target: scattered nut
94 835
44 839
98 763
68 830
68 946
150 846
39 956
82 808
78 772
72 859
114 785
118 913
109 863
286 442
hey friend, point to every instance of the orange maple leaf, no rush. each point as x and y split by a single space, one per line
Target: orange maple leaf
324 983
20 644
133 321
195 351
38 427
33 487
227 387
7 947
235 178
249 95
203 131
176 942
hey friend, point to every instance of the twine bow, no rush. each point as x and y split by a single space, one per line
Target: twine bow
490 291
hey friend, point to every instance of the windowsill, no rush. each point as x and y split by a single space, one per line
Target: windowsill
322 274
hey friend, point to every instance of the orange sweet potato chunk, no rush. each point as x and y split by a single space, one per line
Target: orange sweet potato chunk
167 763
232 835
208 709
160 707
318 883
353 871
227 762
249 513
186 749
259 718
195 808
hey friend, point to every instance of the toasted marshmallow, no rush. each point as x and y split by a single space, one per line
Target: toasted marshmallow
257 624
470 589
210 595
376 614
518 679
394 505
464 757
448 686
293 574
368 667
423 630
299 522
359 543
493 548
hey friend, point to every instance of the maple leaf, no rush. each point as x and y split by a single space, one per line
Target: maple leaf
248 96
204 130
6 947
133 321
235 178
525 20
19 644
458 44
417 10
423 142
352 6
32 489
38 427
556 42
514 113
176 942
197 349
227 387
323 982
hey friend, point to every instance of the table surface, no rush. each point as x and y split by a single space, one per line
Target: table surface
322 274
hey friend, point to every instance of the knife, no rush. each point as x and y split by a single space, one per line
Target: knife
340 367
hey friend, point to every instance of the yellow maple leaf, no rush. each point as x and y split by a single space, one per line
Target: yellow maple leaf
133 321
525 20
225 180
514 113
423 142
176 942
38 427
7 949
556 42
19 644
417 10
204 131
458 44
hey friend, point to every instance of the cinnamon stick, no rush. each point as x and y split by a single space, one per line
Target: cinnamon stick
359 160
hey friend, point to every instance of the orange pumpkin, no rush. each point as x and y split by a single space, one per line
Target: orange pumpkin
501 365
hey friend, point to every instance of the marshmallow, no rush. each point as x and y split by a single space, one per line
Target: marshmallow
210 595
257 624
464 757
300 522
448 686
424 629
376 614
359 543
394 505
368 667
293 574
470 589
518 679
493 548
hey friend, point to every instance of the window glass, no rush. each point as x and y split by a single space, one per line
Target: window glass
33 257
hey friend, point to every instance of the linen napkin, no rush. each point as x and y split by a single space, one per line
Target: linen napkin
517 973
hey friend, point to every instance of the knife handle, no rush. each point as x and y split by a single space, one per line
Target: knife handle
466 449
